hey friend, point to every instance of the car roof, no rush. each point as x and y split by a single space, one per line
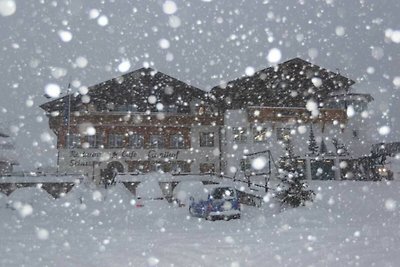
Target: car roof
214 186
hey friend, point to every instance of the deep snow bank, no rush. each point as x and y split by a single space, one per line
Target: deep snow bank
349 224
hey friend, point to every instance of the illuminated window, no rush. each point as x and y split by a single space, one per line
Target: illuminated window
282 134
201 110
239 134
261 134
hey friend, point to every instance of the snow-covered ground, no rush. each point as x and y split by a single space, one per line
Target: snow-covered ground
350 224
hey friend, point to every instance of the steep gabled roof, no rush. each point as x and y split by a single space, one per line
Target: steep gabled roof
289 84
133 87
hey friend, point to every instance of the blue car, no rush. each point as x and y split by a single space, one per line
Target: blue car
221 202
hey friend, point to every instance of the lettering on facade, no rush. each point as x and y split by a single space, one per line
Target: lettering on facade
129 154
80 163
153 154
84 154
85 158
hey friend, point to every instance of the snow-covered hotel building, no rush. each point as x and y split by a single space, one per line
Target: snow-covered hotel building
147 121
140 122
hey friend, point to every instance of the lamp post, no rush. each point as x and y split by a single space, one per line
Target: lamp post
66 121
69 116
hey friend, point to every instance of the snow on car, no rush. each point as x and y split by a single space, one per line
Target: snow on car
221 202
186 189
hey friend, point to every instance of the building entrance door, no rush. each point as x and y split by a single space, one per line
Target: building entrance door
108 174
322 169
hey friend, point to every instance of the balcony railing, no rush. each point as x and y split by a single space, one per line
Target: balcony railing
288 113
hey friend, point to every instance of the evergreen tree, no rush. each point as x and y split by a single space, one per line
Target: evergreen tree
323 149
312 143
293 191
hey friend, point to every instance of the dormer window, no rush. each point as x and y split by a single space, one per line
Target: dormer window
201 110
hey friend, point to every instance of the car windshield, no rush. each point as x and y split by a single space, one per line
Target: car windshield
223 192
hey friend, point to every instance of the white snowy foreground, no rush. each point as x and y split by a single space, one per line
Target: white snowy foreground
350 224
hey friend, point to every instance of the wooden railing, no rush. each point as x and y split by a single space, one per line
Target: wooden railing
284 114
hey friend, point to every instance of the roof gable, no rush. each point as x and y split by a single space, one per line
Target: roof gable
134 87
291 83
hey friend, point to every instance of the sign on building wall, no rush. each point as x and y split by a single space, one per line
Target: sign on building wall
76 158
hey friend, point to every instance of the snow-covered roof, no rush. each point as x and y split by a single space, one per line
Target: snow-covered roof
131 88
274 86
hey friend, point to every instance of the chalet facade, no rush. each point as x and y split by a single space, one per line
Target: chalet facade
147 121
141 122
293 102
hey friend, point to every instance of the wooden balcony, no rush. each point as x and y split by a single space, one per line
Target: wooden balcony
277 114
135 119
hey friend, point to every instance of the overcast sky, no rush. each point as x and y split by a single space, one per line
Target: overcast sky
206 42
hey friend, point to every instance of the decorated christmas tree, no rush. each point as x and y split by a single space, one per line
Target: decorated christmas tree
292 191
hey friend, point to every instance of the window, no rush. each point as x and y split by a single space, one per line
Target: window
126 108
282 134
177 141
358 106
180 167
95 141
245 165
261 134
157 166
223 192
115 140
206 139
207 167
6 146
134 166
170 109
183 109
156 141
138 166
136 140
203 109
239 135
287 113
355 134
73 140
